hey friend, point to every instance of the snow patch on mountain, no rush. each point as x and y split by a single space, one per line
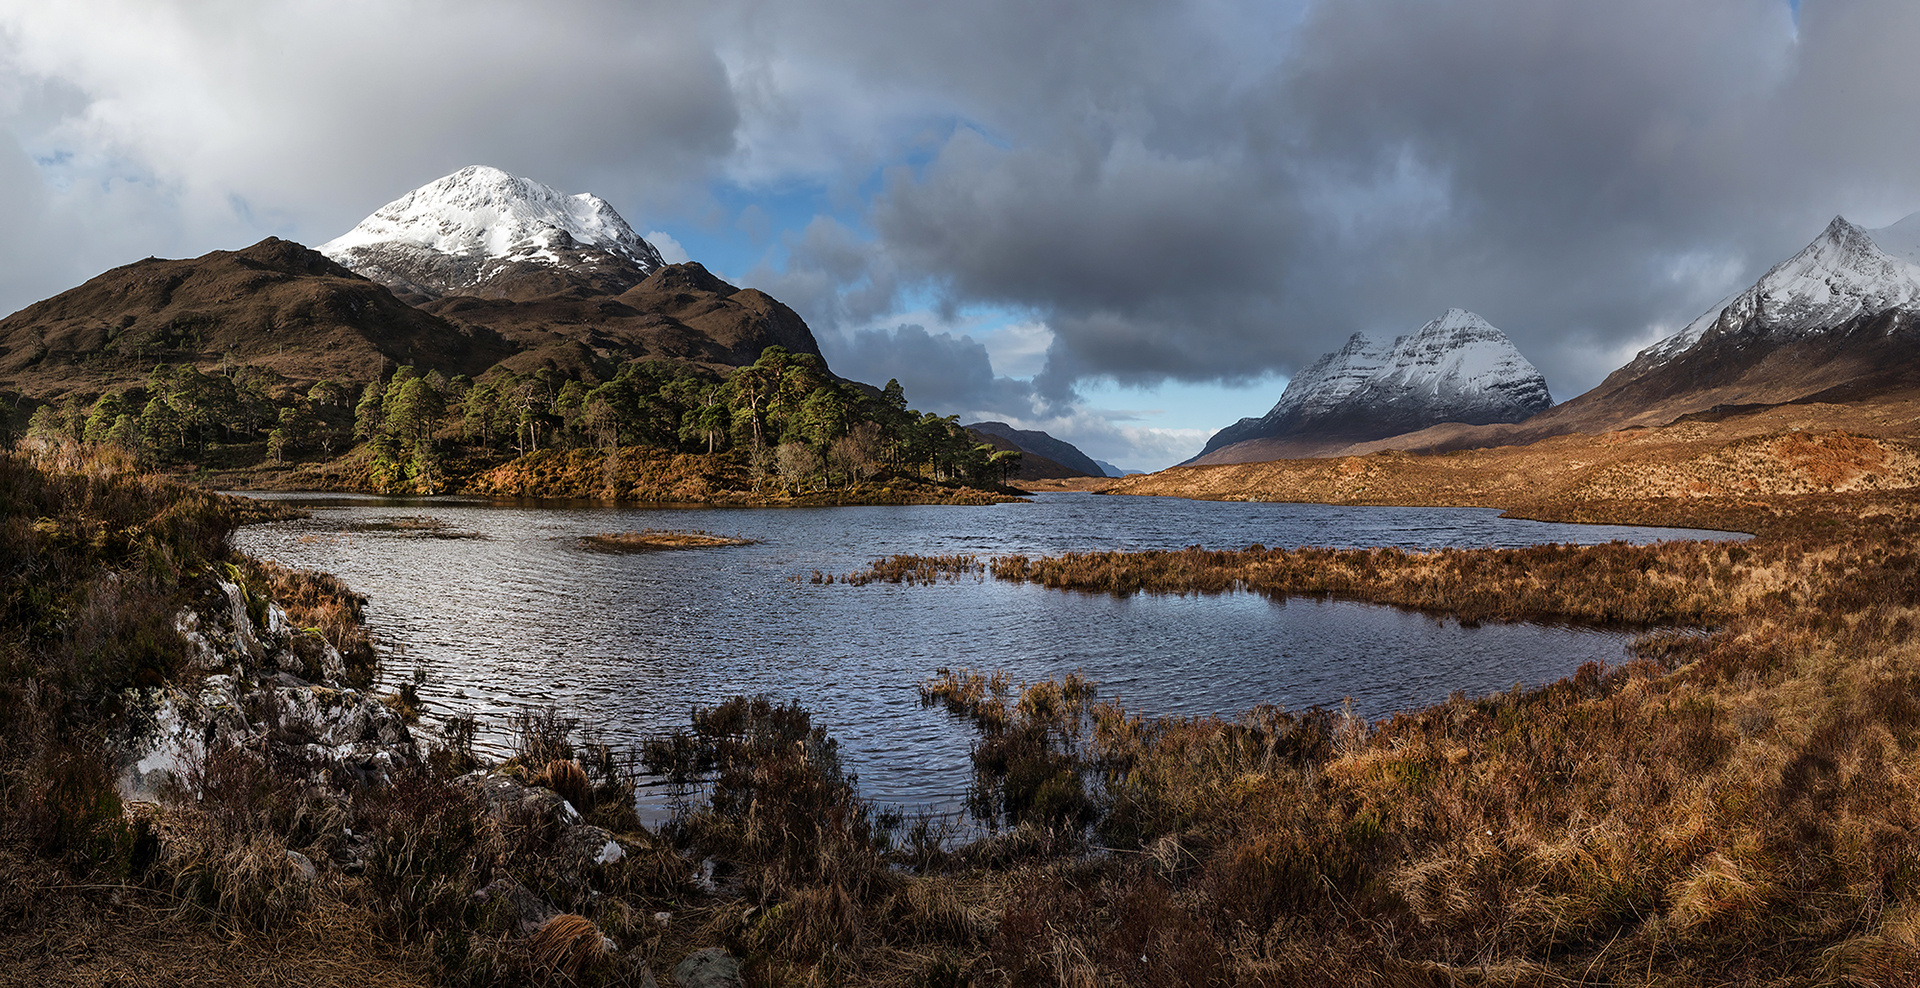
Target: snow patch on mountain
1461 361
483 212
1322 385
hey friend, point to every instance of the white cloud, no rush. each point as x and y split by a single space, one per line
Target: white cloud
669 248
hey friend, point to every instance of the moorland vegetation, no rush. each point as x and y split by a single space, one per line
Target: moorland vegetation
1736 804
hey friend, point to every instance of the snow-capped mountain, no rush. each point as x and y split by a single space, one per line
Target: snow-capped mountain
1847 272
483 232
1457 368
1838 322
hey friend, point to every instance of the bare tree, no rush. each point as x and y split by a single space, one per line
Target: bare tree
797 463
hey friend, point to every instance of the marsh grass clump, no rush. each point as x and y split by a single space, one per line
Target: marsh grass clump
541 735
787 822
911 569
1612 584
566 777
657 539
568 946
1027 762
420 526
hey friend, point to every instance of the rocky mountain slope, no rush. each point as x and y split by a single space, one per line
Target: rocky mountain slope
1457 368
275 304
563 279
681 313
1035 443
485 233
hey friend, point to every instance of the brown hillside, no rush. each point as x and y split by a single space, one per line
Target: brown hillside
1794 449
1033 466
275 304
680 312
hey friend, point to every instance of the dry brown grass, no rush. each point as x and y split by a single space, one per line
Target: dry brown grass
1689 460
567 778
654 539
910 569
56 931
567 946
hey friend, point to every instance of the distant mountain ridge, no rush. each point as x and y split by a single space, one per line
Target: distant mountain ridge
1833 322
1838 322
1456 368
1039 443
275 304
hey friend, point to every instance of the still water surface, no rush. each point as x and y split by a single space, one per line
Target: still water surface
501 609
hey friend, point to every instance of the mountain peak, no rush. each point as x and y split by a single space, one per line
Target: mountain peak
459 233
1456 368
1846 272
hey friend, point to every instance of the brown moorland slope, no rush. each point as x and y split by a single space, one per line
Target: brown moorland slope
1795 449
275 304
681 312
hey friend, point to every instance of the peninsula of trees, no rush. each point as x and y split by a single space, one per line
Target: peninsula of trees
781 425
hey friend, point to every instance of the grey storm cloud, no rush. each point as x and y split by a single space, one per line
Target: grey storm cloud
939 371
1585 175
1196 190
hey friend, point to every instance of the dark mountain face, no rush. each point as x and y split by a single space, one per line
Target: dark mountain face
419 274
275 304
1038 443
680 313
1033 466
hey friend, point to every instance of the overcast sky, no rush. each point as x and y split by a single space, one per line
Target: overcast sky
1122 221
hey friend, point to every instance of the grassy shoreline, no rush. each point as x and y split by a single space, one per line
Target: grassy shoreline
628 475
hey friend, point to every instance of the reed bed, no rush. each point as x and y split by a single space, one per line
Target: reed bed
910 569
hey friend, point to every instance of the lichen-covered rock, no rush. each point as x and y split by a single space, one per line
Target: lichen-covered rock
255 698
528 911
709 968
515 803
588 846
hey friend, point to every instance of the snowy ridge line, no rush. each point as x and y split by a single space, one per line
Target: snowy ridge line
1845 273
484 213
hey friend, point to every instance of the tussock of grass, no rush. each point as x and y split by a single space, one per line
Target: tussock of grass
568 946
654 539
910 569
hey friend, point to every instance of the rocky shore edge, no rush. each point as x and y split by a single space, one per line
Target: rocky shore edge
262 689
